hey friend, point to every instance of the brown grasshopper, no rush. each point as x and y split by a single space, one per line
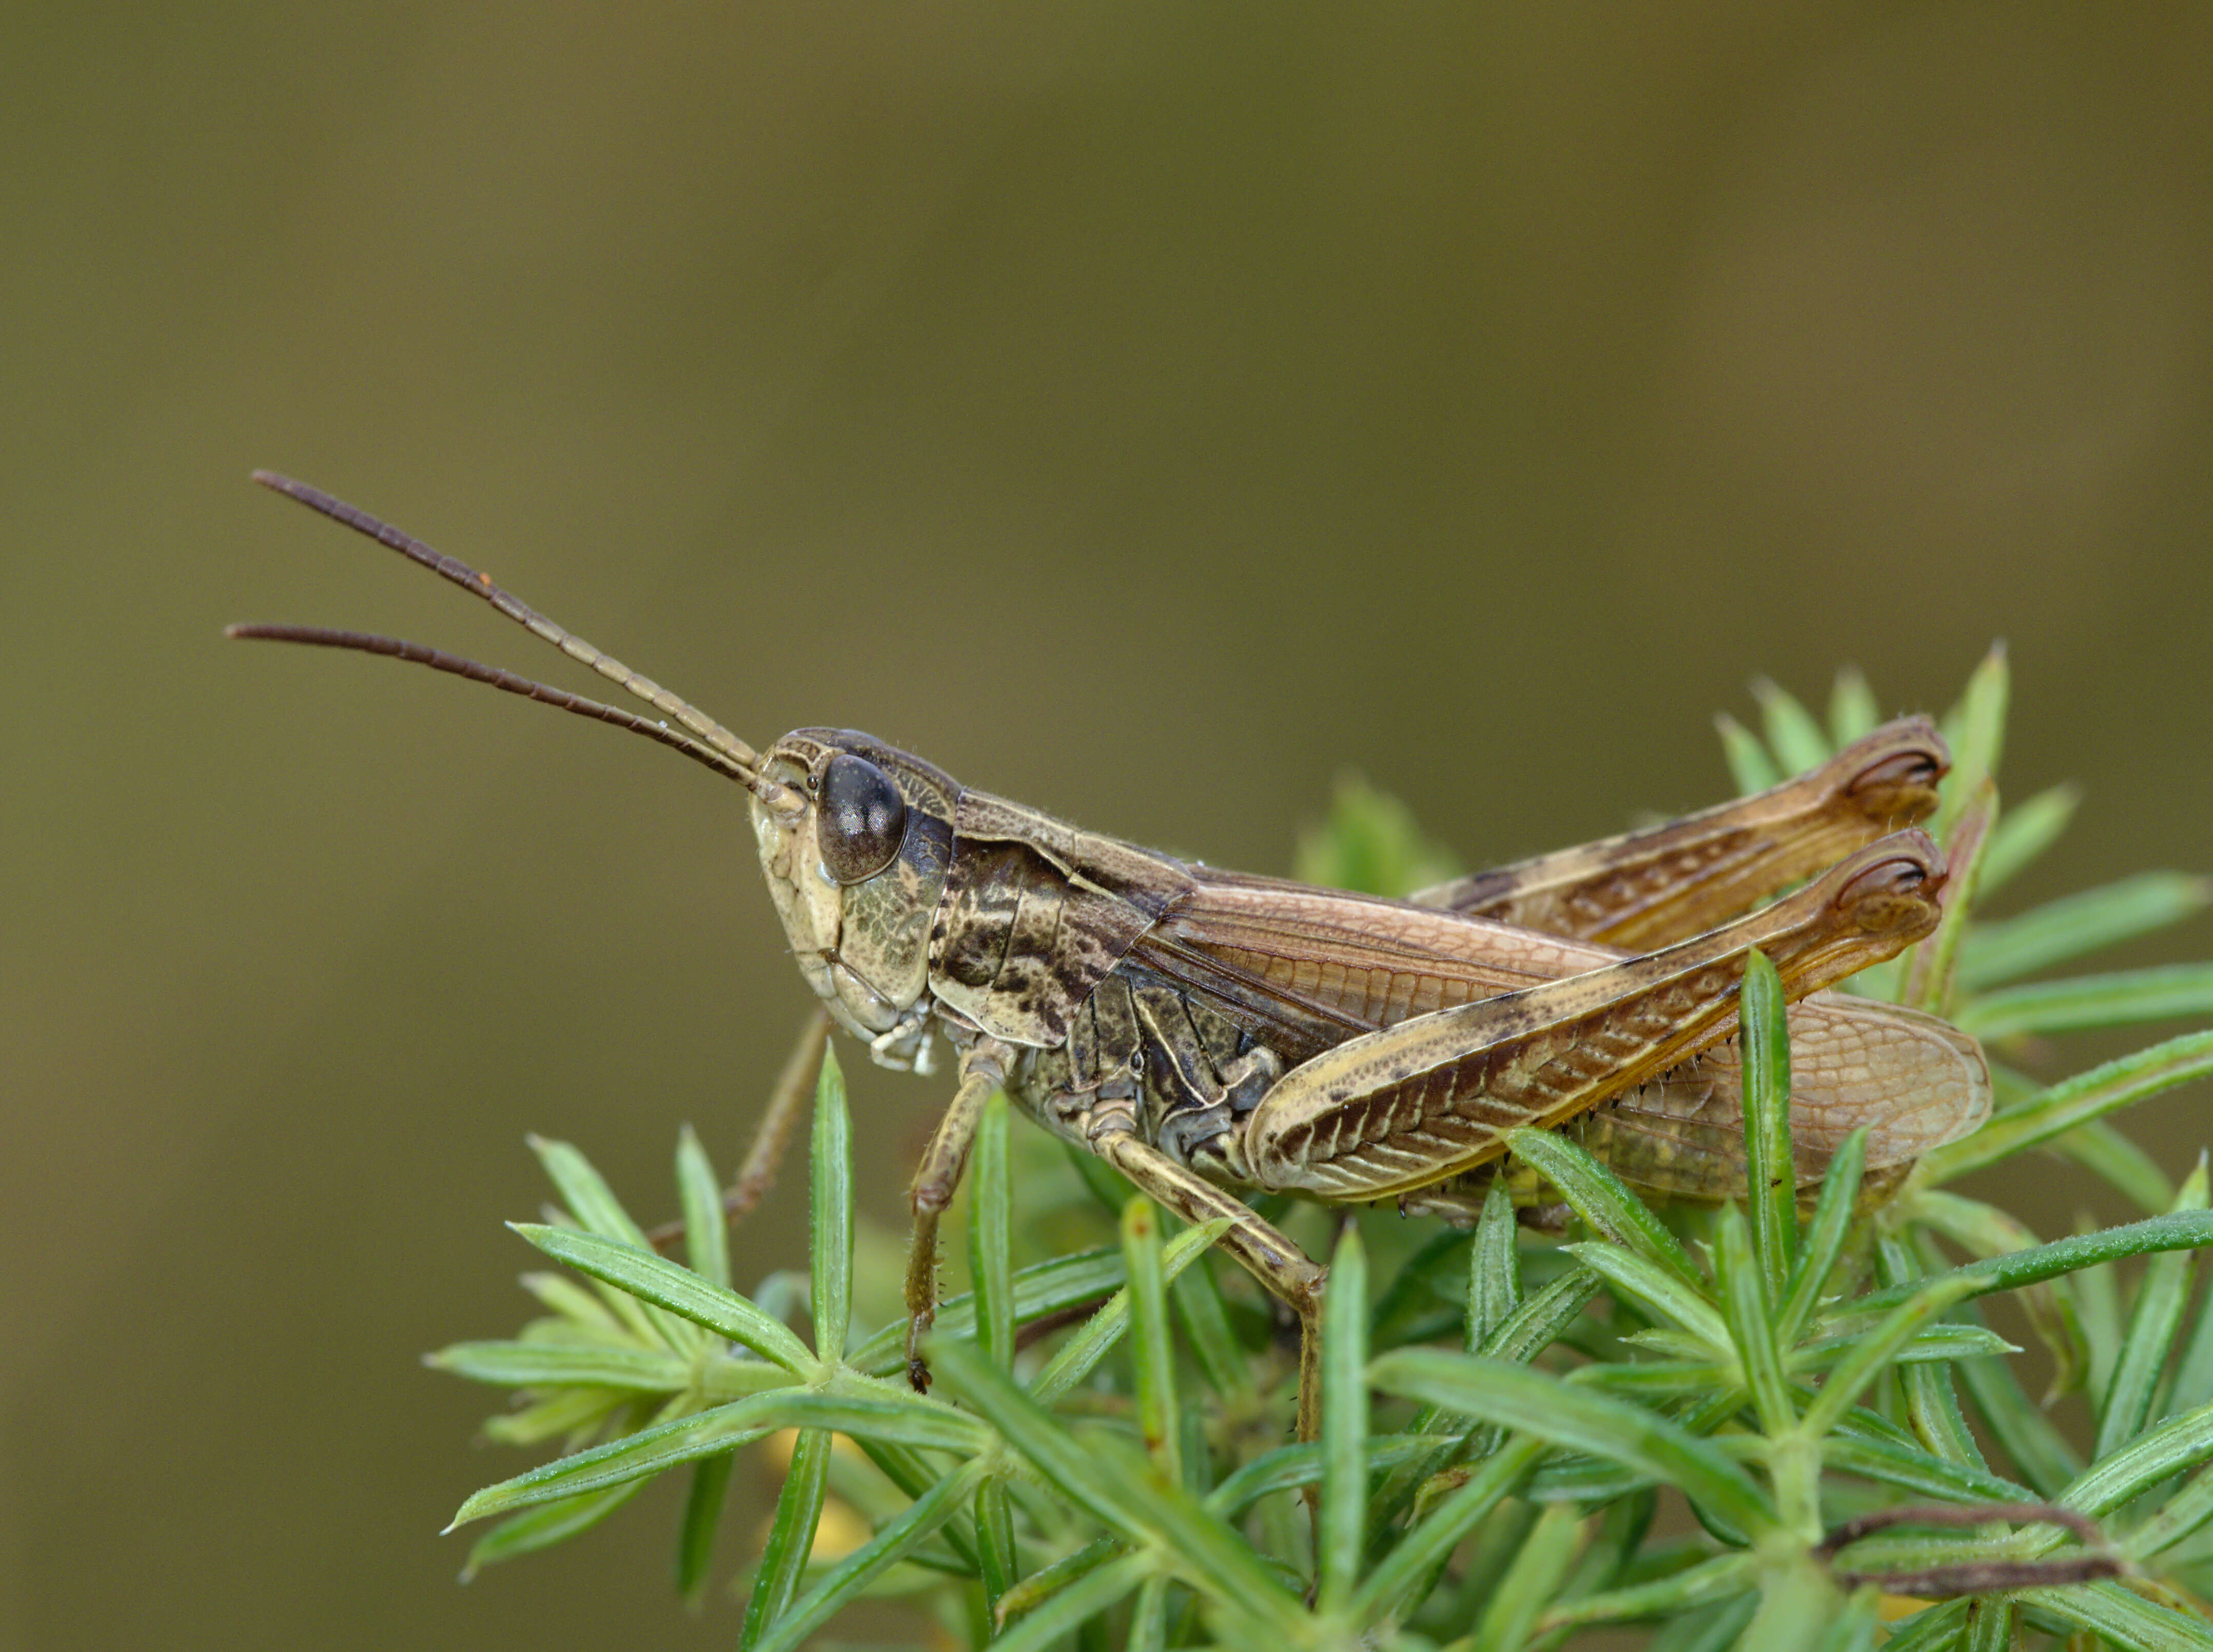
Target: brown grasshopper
1208 1032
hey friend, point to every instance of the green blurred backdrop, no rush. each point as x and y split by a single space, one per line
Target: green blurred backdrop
1145 411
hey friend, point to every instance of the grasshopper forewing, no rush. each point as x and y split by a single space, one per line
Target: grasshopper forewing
1210 1034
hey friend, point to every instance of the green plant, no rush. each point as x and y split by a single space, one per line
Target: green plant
1511 1429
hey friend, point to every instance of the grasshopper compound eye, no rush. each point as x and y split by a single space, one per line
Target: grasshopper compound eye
864 819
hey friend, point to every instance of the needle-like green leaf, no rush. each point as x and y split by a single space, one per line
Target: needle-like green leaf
1197 1298
1941 1629
996 1548
703 1513
2018 1425
1749 765
1533 1326
700 1194
1664 1293
1991 1625
1752 1331
1340 1534
1102 1476
1976 731
2181 1515
1049 1580
541 1528
2093 1094
877 1412
1623 1528
1600 1426
2119 1162
1853 709
1532 1579
1873 1350
2122 998
1543 1317
1917 1471
553 1365
1707 1628
598 1211
1723 1577
2179 1444
587 1308
1370 844
1081 1602
1287 1468
1148 1617
2024 831
1932 1409
2194 1368
1825 1238
1042 1290
1409 1568
1771 1172
655 1279
1855 1626
1793 735
586 1192
1601 1199
2074 924
830 1189
1083 1351
790 1532
892 1544
2179 1230
1152 1349
2122 1618
2154 1321
1493 1267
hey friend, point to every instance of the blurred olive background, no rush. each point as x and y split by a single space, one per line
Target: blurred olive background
1148 412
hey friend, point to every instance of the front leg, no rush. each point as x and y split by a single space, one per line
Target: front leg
982 1070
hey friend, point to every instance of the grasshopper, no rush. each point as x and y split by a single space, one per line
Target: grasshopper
1214 1035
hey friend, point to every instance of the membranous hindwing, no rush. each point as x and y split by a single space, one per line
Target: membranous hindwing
857 873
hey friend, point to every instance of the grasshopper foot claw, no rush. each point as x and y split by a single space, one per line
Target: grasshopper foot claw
918 1369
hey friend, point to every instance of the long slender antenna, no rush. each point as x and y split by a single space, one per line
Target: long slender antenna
714 745
438 660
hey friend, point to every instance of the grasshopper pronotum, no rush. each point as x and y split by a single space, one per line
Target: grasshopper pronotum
1207 1032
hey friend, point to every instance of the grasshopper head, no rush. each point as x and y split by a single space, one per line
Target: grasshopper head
855 838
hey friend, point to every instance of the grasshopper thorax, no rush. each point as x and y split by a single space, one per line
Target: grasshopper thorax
855 849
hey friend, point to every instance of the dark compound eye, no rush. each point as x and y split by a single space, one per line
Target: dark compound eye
864 818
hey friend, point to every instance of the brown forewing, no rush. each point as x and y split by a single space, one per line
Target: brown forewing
1309 968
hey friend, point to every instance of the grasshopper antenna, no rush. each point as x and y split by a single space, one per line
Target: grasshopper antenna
708 743
561 700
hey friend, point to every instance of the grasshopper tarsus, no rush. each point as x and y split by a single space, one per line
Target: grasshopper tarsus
1211 1034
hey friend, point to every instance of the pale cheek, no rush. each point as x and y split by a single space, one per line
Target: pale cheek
774 844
